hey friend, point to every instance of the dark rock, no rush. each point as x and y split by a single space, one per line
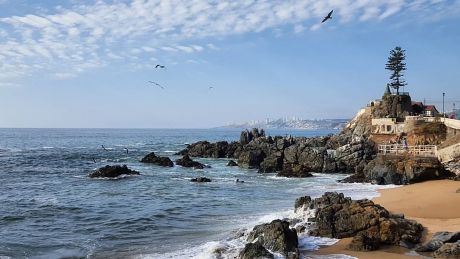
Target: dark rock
340 217
448 250
276 236
112 171
438 239
186 161
254 251
232 163
157 160
302 202
362 242
298 171
271 164
404 170
201 180
251 158
248 136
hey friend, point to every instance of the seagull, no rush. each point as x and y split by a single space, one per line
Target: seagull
127 150
94 160
157 84
159 66
104 148
211 87
329 16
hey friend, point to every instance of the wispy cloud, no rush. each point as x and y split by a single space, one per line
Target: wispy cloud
90 36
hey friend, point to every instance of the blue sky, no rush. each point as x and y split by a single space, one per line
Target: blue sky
87 63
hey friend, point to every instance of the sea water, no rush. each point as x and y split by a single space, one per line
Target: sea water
49 208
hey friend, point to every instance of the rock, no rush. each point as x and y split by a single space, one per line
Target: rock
298 171
251 158
161 161
186 161
302 202
362 242
404 170
254 251
448 250
337 216
201 180
232 163
248 136
438 239
112 171
271 164
276 236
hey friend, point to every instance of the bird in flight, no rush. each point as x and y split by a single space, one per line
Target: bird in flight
157 84
159 66
127 150
329 16
104 148
211 87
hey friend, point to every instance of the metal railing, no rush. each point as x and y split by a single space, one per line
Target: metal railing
400 149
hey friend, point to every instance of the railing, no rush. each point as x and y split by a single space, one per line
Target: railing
400 149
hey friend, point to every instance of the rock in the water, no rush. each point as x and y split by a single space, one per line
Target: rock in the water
157 160
302 202
448 250
112 171
298 171
232 163
251 158
337 216
186 161
255 251
276 236
201 180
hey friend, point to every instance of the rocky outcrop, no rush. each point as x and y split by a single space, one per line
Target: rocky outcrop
393 106
255 251
201 180
157 160
369 224
232 163
437 240
277 237
112 172
387 169
448 250
298 171
291 156
186 161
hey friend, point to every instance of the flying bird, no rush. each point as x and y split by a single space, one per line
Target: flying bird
127 150
159 66
104 148
211 87
329 16
157 84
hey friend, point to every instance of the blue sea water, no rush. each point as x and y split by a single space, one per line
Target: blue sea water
49 208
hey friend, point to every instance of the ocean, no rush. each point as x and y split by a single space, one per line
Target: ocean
51 209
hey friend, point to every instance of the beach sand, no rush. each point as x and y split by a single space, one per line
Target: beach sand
434 204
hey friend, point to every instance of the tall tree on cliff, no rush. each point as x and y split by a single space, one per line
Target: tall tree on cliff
396 64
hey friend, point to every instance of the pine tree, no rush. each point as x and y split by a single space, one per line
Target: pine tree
396 64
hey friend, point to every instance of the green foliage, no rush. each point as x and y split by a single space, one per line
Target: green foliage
397 66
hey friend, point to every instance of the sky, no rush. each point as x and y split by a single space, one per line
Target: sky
86 64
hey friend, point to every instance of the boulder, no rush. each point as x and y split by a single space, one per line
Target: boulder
232 163
362 242
255 251
251 158
271 164
438 240
297 171
112 172
448 250
186 161
337 216
388 169
157 160
276 236
201 180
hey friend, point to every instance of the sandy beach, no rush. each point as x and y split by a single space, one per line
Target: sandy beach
434 204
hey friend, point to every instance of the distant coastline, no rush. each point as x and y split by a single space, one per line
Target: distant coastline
291 123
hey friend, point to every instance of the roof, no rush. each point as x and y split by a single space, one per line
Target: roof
430 108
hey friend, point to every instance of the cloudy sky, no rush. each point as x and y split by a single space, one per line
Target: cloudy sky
88 63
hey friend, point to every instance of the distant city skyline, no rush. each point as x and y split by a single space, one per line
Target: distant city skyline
86 64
